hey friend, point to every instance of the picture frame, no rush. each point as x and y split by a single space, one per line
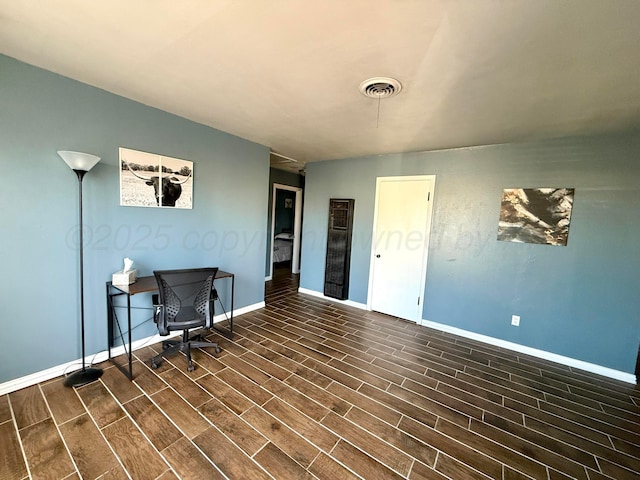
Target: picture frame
152 180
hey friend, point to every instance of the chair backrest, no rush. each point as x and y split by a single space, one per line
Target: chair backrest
185 298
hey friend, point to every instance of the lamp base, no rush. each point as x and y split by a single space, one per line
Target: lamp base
82 377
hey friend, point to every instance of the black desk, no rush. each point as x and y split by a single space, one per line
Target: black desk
142 285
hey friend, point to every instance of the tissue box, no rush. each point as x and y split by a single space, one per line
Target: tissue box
124 278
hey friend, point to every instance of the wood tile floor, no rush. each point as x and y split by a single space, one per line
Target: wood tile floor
312 389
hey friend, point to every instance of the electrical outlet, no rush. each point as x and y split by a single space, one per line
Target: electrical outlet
515 320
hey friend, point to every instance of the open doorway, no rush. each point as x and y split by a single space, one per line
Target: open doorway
286 228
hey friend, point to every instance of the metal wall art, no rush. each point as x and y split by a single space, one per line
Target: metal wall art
536 215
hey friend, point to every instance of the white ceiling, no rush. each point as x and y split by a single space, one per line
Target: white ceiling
285 73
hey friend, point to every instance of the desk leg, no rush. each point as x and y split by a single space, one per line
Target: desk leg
111 327
129 352
226 332
109 322
233 285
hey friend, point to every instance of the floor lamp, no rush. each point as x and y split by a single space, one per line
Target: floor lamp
81 163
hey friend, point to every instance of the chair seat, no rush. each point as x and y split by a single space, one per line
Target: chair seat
187 318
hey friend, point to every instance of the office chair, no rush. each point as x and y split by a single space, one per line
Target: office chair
185 301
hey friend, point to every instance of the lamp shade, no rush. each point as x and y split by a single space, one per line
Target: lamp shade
78 160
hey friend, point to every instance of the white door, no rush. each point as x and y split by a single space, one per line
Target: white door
402 222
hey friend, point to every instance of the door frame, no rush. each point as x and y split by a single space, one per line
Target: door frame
297 227
427 233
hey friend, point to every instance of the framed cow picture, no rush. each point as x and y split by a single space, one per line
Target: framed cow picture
151 180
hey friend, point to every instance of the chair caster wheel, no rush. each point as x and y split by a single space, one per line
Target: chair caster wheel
191 368
154 365
218 350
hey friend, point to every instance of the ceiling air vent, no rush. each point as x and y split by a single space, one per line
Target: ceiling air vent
380 87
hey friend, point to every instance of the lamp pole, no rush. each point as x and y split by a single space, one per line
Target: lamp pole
81 163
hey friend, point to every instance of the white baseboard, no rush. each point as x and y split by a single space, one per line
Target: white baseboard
65 368
53 372
350 303
534 352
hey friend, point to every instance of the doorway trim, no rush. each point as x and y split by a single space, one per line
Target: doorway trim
297 227
427 233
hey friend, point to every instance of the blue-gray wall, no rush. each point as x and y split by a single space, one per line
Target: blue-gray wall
42 113
581 301
284 216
